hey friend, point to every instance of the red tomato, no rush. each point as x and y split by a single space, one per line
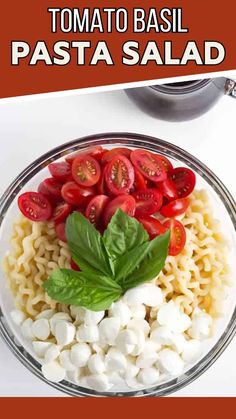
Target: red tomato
86 170
168 189
74 194
96 152
61 212
119 175
184 180
166 164
74 266
125 202
149 164
51 188
35 206
60 171
174 208
177 236
101 185
148 201
96 208
61 231
109 155
139 181
152 226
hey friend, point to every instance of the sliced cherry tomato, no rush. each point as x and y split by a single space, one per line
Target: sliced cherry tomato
74 266
168 189
119 175
60 171
152 226
35 206
148 201
74 194
177 236
61 231
166 164
96 208
96 152
86 170
51 188
125 202
174 208
109 155
61 212
184 180
139 181
149 165
101 185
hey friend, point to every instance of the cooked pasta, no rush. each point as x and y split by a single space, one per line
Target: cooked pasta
197 277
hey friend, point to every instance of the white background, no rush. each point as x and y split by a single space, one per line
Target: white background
28 129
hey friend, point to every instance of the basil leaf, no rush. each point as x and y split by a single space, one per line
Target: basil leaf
95 292
86 245
123 234
142 263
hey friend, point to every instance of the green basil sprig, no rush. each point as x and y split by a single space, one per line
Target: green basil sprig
121 259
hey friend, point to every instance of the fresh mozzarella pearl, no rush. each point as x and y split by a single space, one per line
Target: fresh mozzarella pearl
17 317
149 376
126 341
146 359
53 372
140 342
41 329
74 375
148 294
201 326
26 329
133 383
184 323
46 314
65 360
80 353
56 318
40 348
115 379
52 353
191 351
96 364
138 311
134 296
64 332
98 382
178 342
131 371
87 333
115 360
139 324
108 330
161 335
98 348
121 311
77 313
170 361
150 345
170 315
93 317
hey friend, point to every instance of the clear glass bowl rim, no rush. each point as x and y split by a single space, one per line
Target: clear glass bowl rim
137 141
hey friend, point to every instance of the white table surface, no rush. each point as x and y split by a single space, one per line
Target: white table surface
31 128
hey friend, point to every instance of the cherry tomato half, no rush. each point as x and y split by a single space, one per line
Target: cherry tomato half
61 212
166 164
101 185
184 180
51 188
139 181
86 170
61 231
74 266
174 208
119 175
96 208
149 165
74 194
60 171
35 206
96 152
125 202
152 226
177 236
168 189
148 201
109 155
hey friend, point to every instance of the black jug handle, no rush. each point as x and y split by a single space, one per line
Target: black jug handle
230 88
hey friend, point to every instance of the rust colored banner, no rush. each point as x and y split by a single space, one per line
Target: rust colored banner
37 53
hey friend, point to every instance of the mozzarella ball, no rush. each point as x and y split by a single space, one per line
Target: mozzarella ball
74 375
87 333
131 371
201 326
77 313
126 341
93 317
121 311
191 351
178 342
138 311
26 329
98 382
46 314
40 348
161 335
80 353
17 317
52 353
140 342
96 364
65 360
56 318
170 362
108 330
115 360
41 329
146 359
139 324
53 372
148 294
64 332
149 376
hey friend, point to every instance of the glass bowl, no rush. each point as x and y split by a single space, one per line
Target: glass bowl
224 210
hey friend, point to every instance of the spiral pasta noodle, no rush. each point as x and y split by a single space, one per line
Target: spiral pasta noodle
197 277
